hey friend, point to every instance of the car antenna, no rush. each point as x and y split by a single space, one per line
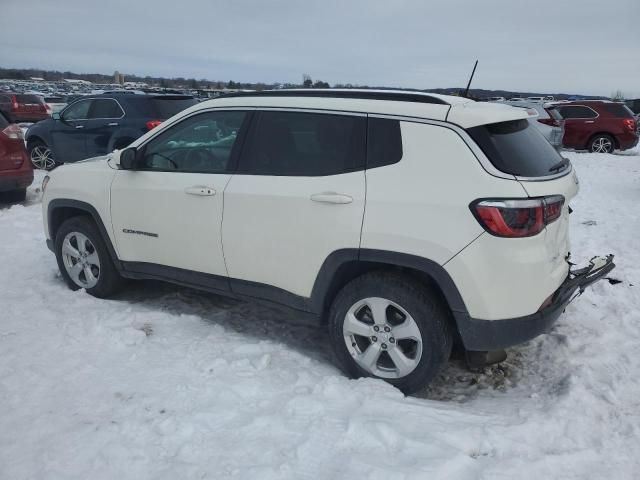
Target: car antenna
466 92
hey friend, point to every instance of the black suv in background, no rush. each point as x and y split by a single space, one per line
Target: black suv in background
98 124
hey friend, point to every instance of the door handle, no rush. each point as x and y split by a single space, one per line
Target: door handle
112 124
331 197
201 190
79 127
589 121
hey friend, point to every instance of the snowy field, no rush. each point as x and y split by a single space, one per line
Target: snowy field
169 383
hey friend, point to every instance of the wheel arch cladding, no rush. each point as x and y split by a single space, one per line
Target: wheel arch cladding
342 266
60 210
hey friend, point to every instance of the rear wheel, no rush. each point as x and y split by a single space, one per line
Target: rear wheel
83 258
390 326
41 156
602 144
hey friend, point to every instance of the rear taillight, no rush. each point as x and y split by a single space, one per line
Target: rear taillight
550 121
15 106
48 109
629 124
151 124
516 218
14 132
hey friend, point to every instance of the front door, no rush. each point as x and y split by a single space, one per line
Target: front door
68 132
105 117
297 197
168 211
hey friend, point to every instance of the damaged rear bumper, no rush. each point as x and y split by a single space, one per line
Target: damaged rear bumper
487 335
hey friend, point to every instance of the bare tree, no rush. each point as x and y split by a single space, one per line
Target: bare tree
617 96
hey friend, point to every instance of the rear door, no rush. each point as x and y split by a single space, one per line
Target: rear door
105 117
297 196
579 126
68 132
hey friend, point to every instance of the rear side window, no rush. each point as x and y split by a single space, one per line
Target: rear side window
305 144
618 110
576 111
163 108
105 108
384 142
3 121
516 148
29 99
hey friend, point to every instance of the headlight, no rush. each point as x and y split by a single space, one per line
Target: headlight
45 180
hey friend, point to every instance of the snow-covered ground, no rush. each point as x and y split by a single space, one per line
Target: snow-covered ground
169 383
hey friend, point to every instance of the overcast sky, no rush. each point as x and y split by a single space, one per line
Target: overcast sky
548 46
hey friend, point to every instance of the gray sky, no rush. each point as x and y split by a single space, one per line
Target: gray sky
573 46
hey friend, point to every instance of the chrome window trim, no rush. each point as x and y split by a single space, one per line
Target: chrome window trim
100 118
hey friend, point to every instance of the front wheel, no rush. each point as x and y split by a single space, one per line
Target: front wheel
390 326
41 156
83 258
601 144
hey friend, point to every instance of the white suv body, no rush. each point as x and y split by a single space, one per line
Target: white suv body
308 198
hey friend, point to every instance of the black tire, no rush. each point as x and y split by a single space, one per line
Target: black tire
420 302
599 141
40 144
109 280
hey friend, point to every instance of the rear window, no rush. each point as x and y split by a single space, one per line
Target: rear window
163 108
29 99
618 110
516 148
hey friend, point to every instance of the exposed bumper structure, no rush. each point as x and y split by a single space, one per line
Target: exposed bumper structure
487 335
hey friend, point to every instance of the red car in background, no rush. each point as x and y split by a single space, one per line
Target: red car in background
23 107
597 125
16 171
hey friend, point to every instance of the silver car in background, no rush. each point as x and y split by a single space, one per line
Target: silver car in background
549 123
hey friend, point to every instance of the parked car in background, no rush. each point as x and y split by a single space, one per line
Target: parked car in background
16 172
496 99
56 103
21 107
634 105
535 99
550 124
96 125
597 125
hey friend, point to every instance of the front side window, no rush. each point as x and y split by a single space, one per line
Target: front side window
77 111
105 108
576 111
305 144
200 144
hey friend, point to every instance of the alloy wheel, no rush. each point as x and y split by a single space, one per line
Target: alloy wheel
42 157
81 260
602 145
382 338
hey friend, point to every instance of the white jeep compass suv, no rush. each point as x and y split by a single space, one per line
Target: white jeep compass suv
405 221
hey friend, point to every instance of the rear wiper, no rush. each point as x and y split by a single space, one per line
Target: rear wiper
560 165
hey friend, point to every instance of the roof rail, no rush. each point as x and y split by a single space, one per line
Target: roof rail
394 95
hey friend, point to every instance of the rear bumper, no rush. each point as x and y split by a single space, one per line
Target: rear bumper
15 182
628 141
487 335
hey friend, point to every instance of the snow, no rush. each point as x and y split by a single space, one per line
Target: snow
163 382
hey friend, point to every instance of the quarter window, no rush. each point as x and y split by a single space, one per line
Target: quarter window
576 111
105 108
200 144
384 142
77 111
305 144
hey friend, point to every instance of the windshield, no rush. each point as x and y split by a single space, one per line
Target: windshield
516 148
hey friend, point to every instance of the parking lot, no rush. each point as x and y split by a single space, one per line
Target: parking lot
165 382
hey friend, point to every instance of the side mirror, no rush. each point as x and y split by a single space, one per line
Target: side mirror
128 158
55 115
